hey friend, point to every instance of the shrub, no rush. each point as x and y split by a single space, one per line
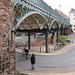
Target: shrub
62 39
23 35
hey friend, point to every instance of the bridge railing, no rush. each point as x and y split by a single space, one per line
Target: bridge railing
42 5
48 8
55 14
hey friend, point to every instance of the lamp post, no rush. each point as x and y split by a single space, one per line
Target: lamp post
60 9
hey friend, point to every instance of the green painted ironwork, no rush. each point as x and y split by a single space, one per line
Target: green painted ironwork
46 38
26 15
41 8
57 35
29 40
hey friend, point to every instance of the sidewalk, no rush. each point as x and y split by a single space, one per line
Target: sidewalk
61 51
31 73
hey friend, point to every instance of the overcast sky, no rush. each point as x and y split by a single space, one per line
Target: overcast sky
65 7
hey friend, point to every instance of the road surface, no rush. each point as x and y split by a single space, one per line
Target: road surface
50 64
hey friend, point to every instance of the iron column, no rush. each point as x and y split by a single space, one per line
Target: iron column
46 38
28 40
57 35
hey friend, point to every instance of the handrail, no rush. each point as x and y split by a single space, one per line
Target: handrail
42 5
48 8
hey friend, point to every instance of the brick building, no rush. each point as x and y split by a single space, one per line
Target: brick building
67 18
7 44
72 19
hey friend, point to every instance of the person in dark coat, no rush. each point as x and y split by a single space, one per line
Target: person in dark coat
32 61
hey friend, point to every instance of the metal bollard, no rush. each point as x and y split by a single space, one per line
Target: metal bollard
72 42
49 49
57 47
40 49
54 48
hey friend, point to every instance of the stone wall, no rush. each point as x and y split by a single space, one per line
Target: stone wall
6 39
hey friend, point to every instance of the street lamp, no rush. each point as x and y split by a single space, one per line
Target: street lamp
60 9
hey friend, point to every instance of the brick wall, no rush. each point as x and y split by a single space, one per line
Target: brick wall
41 42
6 44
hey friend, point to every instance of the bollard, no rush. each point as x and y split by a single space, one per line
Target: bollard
54 48
57 47
72 42
49 49
40 49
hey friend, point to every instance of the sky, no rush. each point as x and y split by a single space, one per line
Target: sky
62 5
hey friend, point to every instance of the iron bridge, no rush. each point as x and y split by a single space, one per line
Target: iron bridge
37 16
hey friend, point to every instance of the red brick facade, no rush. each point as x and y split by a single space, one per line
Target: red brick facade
6 44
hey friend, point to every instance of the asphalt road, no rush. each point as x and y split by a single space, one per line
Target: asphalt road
50 64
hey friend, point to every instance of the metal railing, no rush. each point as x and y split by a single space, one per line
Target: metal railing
48 8
41 5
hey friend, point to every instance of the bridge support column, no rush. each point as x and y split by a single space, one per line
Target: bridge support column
28 40
53 37
57 35
64 31
46 38
34 35
61 31
67 30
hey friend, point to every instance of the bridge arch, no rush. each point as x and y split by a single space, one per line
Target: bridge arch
54 24
37 18
62 25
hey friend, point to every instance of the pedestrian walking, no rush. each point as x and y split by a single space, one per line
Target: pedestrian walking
32 61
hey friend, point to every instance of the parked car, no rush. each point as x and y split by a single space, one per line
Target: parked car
68 40
40 35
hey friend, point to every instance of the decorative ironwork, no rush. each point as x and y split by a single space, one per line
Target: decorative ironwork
24 9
